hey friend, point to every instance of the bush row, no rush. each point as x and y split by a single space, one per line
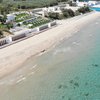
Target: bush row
67 13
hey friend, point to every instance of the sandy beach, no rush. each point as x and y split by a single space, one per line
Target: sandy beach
13 56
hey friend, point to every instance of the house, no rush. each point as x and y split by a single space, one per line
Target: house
92 3
10 17
81 4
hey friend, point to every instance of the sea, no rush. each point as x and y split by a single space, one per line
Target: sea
68 71
96 8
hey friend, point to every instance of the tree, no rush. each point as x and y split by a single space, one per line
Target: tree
84 9
1 1
1 34
68 13
3 19
53 15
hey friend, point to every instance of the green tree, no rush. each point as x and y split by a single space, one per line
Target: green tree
1 34
53 15
68 13
1 1
3 19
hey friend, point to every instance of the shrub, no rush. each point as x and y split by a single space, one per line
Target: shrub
68 13
53 15
1 34
77 13
84 9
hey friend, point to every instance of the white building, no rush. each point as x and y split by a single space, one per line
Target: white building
81 4
10 17
91 3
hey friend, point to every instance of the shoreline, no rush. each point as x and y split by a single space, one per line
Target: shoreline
15 55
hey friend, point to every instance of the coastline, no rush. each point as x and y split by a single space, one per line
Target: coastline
13 56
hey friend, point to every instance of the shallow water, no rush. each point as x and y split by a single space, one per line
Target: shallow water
70 71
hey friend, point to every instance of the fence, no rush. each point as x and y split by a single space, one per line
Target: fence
53 23
43 27
19 36
12 39
3 42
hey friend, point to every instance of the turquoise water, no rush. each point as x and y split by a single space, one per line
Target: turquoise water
69 71
95 8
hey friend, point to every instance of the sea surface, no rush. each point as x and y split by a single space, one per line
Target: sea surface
95 8
68 71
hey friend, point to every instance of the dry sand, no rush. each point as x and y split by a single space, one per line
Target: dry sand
14 55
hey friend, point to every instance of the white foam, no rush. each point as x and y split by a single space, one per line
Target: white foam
63 50
20 80
34 66
96 23
76 43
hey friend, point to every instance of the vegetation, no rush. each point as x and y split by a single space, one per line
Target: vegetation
21 17
54 16
29 4
84 9
1 34
36 22
67 13
3 19
4 32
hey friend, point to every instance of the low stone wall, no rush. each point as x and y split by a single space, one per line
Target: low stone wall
3 42
43 27
53 23
19 36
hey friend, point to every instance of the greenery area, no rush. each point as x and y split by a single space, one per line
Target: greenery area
4 26
37 22
84 9
67 13
4 32
1 34
14 5
21 17
7 8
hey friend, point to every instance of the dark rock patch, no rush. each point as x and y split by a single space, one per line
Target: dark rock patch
86 94
76 84
71 81
63 97
69 98
60 86
95 65
86 83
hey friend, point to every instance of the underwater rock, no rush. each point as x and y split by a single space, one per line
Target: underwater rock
65 86
63 97
60 86
86 83
76 84
69 98
87 94
77 77
71 81
95 65
74 87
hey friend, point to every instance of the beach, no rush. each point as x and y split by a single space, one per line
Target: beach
13 56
